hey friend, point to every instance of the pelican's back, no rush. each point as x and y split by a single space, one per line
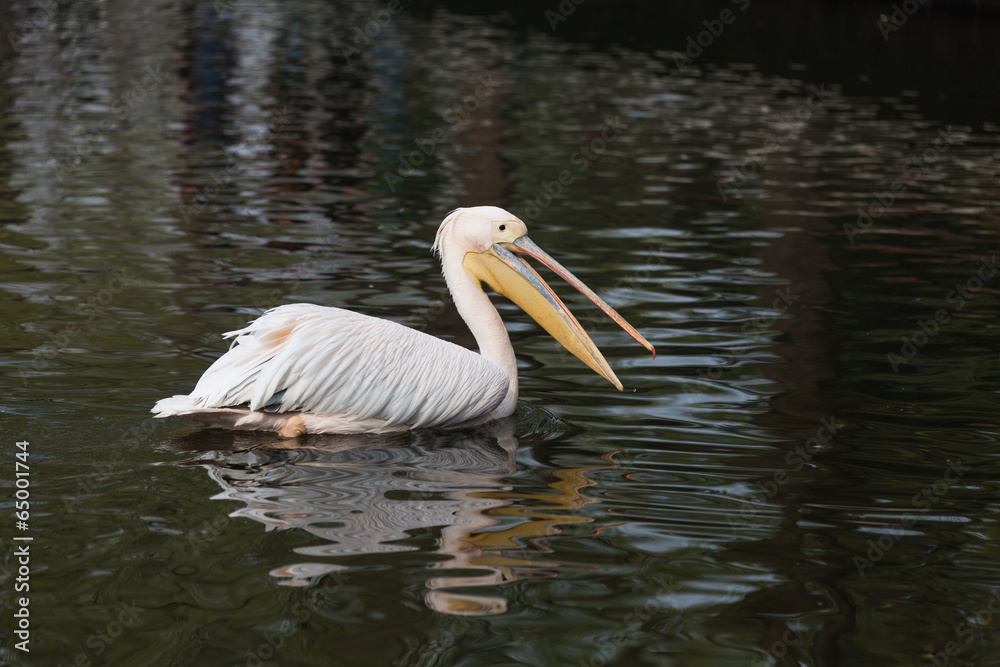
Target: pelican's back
341 371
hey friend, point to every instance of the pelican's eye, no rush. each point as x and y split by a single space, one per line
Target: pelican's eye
502 228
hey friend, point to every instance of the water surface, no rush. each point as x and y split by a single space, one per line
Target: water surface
805 474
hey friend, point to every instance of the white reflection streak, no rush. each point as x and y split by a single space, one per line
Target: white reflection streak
255 31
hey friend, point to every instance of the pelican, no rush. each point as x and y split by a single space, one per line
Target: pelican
302 368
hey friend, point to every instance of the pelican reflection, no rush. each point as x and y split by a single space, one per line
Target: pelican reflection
367 494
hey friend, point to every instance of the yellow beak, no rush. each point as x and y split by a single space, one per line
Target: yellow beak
511 277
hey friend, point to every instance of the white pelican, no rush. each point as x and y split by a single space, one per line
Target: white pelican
302 368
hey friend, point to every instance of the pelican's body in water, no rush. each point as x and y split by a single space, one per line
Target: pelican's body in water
303 368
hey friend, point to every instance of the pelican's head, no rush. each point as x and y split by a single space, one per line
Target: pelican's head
491 240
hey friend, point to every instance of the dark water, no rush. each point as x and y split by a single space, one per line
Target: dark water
802 219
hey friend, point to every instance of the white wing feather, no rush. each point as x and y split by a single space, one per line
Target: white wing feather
330 361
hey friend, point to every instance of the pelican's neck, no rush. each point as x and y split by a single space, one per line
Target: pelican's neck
484 321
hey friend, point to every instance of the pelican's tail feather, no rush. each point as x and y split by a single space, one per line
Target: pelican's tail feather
179 405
